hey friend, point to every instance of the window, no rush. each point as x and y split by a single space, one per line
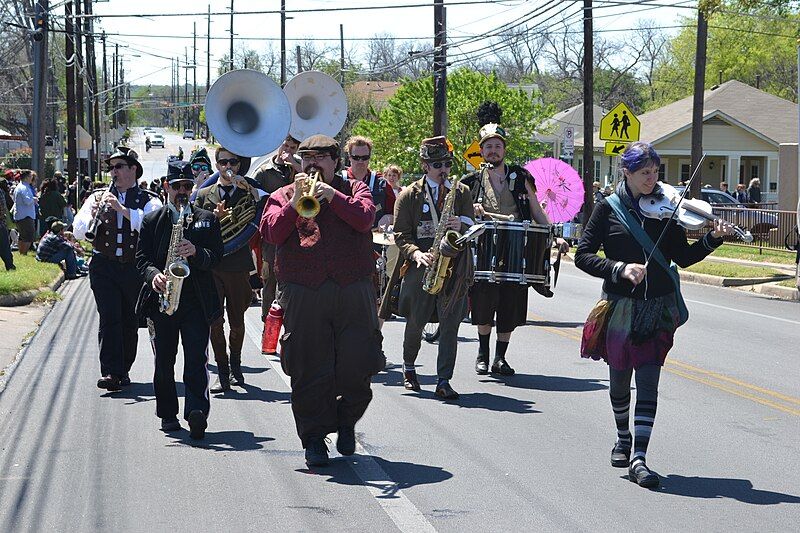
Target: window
580 167
686 171
773 187
662 172
753 170
597 169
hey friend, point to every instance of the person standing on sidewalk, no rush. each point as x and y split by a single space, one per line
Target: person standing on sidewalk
197 305
24 210
5 242
117 214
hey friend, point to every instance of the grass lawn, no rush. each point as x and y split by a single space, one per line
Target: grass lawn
749 253
788 283
727 270
30 274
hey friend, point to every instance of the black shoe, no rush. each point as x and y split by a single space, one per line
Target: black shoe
621 455
445 391
237 378
316 452
500 366
197 424
221 384
346 441
482 365
125 380
410 381
641 475
12 267
109 383
170 424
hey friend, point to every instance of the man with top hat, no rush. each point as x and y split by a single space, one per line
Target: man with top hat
324 266
115 215
509 191
359 152
278 171
416 218
197 304
232 273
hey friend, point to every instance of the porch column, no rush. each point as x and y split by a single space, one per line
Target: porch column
733 170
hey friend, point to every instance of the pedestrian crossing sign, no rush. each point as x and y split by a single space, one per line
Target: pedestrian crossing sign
620 125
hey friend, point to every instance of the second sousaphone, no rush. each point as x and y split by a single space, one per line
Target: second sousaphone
318 105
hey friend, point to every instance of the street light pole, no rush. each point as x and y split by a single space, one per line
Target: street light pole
38 115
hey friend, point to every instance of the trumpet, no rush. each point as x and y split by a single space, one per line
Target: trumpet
308 206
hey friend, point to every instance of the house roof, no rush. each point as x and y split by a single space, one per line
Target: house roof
765 115
572 116
377 91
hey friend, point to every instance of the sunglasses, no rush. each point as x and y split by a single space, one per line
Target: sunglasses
440 164
118 166
182 186
360 157
200 168
232 162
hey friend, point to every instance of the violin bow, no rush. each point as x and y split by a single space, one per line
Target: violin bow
674 212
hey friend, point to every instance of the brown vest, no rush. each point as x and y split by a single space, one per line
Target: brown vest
106 241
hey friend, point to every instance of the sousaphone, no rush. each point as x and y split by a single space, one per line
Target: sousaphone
249 115
318 105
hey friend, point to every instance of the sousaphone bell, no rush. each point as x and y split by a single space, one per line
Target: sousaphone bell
318 105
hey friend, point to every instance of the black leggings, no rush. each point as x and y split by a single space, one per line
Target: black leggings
646 403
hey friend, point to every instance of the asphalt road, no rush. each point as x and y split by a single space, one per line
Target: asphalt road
154 162
525 453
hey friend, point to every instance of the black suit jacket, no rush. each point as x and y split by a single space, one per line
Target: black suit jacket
151 257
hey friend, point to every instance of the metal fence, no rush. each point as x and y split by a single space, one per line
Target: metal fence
771 229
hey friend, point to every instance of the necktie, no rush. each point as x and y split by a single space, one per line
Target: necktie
442 190
227 191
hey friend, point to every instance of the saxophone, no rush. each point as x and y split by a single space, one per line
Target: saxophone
177 271
444 247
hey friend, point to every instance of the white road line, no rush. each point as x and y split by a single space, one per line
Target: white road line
394 503
742 311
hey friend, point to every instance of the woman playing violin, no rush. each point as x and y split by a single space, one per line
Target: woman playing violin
633 325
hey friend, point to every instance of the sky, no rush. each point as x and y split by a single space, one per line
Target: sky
147 52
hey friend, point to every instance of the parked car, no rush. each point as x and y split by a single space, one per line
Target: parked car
157 139
758 221
188 134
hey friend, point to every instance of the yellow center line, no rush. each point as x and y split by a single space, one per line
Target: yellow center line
696 374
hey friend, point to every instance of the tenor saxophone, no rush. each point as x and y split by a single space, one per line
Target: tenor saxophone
177 270
444 247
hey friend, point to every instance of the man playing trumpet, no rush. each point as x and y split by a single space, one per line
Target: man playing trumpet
324 266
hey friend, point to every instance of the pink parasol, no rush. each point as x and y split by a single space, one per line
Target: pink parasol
559 188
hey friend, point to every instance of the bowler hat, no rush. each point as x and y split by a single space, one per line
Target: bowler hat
128 155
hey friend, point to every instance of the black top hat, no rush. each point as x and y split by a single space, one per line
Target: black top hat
131 157
179 171
435 149
200 155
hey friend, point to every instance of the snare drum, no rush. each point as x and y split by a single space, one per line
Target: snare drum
514 252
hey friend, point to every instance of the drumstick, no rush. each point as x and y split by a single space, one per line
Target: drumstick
499 216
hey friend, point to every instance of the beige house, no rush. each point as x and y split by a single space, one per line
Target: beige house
743 130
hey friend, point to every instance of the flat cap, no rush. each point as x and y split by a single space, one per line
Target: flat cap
319 143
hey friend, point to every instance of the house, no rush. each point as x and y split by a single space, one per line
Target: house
376 92
743 131
555 127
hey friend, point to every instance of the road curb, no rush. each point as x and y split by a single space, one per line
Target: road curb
26 297
744 284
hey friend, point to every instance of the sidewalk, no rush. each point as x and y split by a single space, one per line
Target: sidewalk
18 325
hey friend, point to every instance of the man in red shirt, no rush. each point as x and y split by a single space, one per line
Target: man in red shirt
324 266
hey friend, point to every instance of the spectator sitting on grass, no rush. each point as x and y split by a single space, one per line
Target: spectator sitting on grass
80 253
53 248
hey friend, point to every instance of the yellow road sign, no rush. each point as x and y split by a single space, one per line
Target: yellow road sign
473 154
614 148
620 125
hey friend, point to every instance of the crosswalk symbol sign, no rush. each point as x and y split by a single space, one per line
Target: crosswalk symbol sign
620 125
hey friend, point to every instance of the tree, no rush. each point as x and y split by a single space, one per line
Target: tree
407 118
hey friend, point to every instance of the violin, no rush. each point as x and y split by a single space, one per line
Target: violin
691 214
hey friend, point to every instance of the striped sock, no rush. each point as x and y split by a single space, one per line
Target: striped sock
621 407
643 417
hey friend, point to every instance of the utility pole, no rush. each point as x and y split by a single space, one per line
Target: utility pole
588 110
105 78
39 114
231 35
439 68
194 80
283 43
115 86
186 89
69 51
80 65
208 51
91 86
697 104
341 54
299 60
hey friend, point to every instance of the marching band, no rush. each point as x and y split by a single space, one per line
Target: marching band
320 235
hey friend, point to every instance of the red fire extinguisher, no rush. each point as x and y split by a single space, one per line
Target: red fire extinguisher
272 329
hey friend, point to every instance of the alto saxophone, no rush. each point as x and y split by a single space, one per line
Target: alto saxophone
444 247
177 270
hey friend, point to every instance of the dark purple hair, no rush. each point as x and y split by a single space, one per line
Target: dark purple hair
639 155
